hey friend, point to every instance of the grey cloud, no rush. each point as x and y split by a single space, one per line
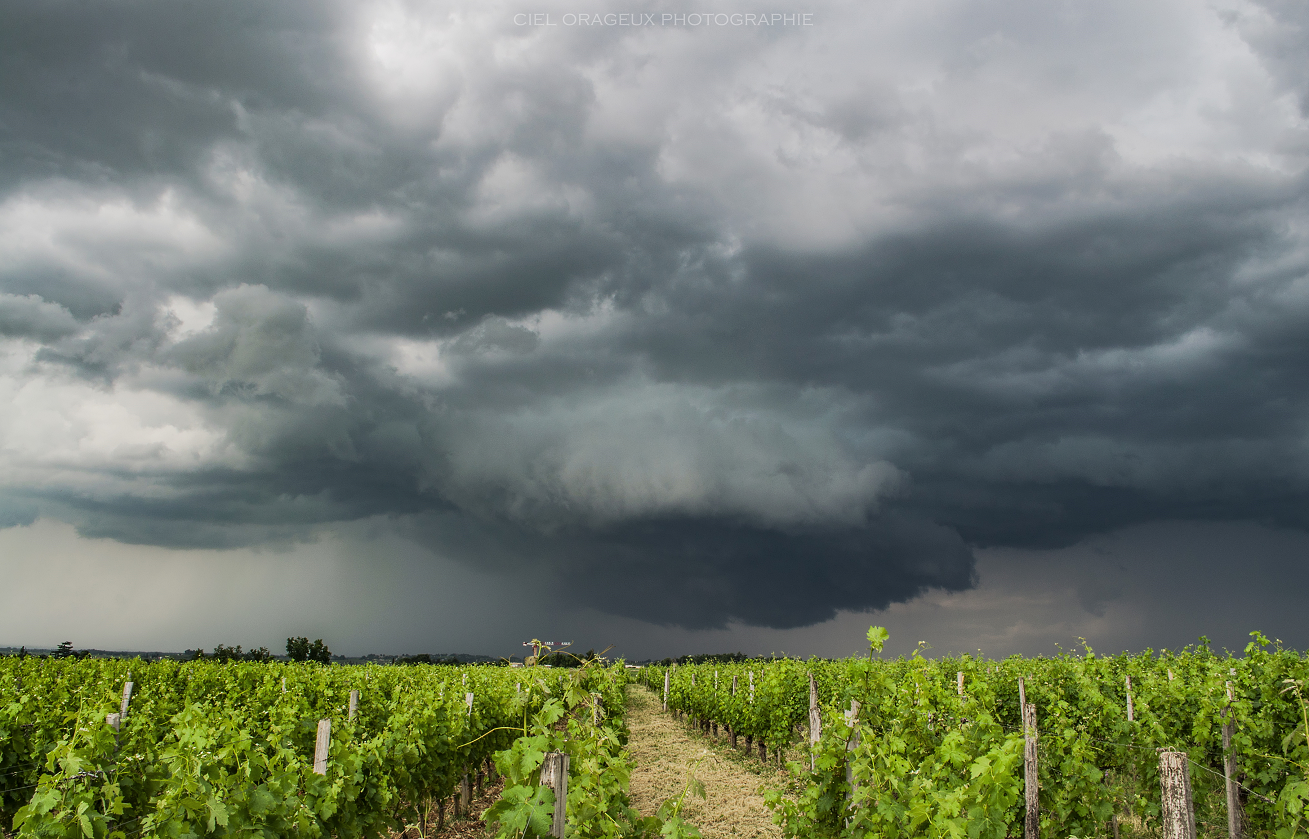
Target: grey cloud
260 344
28 316
647 451
767 326
496 334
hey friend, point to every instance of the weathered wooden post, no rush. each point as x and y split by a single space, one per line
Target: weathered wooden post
666 673
354 703
959 679
851 720
815 723
127 698
1178 817
1130 714
731 732
114 721
554 774
466 795
321 745
1234 815
1031 781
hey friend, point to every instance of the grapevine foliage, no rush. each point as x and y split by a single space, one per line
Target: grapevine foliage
922 759
211 749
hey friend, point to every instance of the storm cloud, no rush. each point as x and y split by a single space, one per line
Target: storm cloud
695 325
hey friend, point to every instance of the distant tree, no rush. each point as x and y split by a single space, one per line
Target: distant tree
299 649
225 654
713 658
64 650
192 655
564 659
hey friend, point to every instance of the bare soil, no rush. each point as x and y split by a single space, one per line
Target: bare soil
469 826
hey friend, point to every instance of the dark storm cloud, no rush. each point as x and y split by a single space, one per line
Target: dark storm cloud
752 326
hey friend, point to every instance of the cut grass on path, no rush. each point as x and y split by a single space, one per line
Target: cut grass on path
664 751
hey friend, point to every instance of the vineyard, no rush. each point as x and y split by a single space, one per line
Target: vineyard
919 747
120 749
111 749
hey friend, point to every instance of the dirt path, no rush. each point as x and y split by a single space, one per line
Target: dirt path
663 751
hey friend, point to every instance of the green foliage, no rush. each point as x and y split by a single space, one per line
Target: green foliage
299 649
222 653
220 748
877 636
65 650
923 760
576 721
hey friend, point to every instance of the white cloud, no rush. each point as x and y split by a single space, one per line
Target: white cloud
67 435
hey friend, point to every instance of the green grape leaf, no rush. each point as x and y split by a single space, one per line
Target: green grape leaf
877 636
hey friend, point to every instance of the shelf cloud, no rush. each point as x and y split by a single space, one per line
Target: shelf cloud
767 323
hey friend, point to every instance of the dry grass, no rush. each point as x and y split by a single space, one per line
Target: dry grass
665 750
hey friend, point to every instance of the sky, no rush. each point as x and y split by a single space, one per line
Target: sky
668 326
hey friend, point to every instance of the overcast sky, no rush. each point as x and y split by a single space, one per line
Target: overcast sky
436 326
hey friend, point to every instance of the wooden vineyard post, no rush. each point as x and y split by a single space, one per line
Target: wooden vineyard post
959 679
1175 781
851 720
1130 713
731 732
354 703
554 774
466 795
1234 814
127 697
1031 782
114 721
713 724
815 723
283 684
468 700
321 745
751 687
666 673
